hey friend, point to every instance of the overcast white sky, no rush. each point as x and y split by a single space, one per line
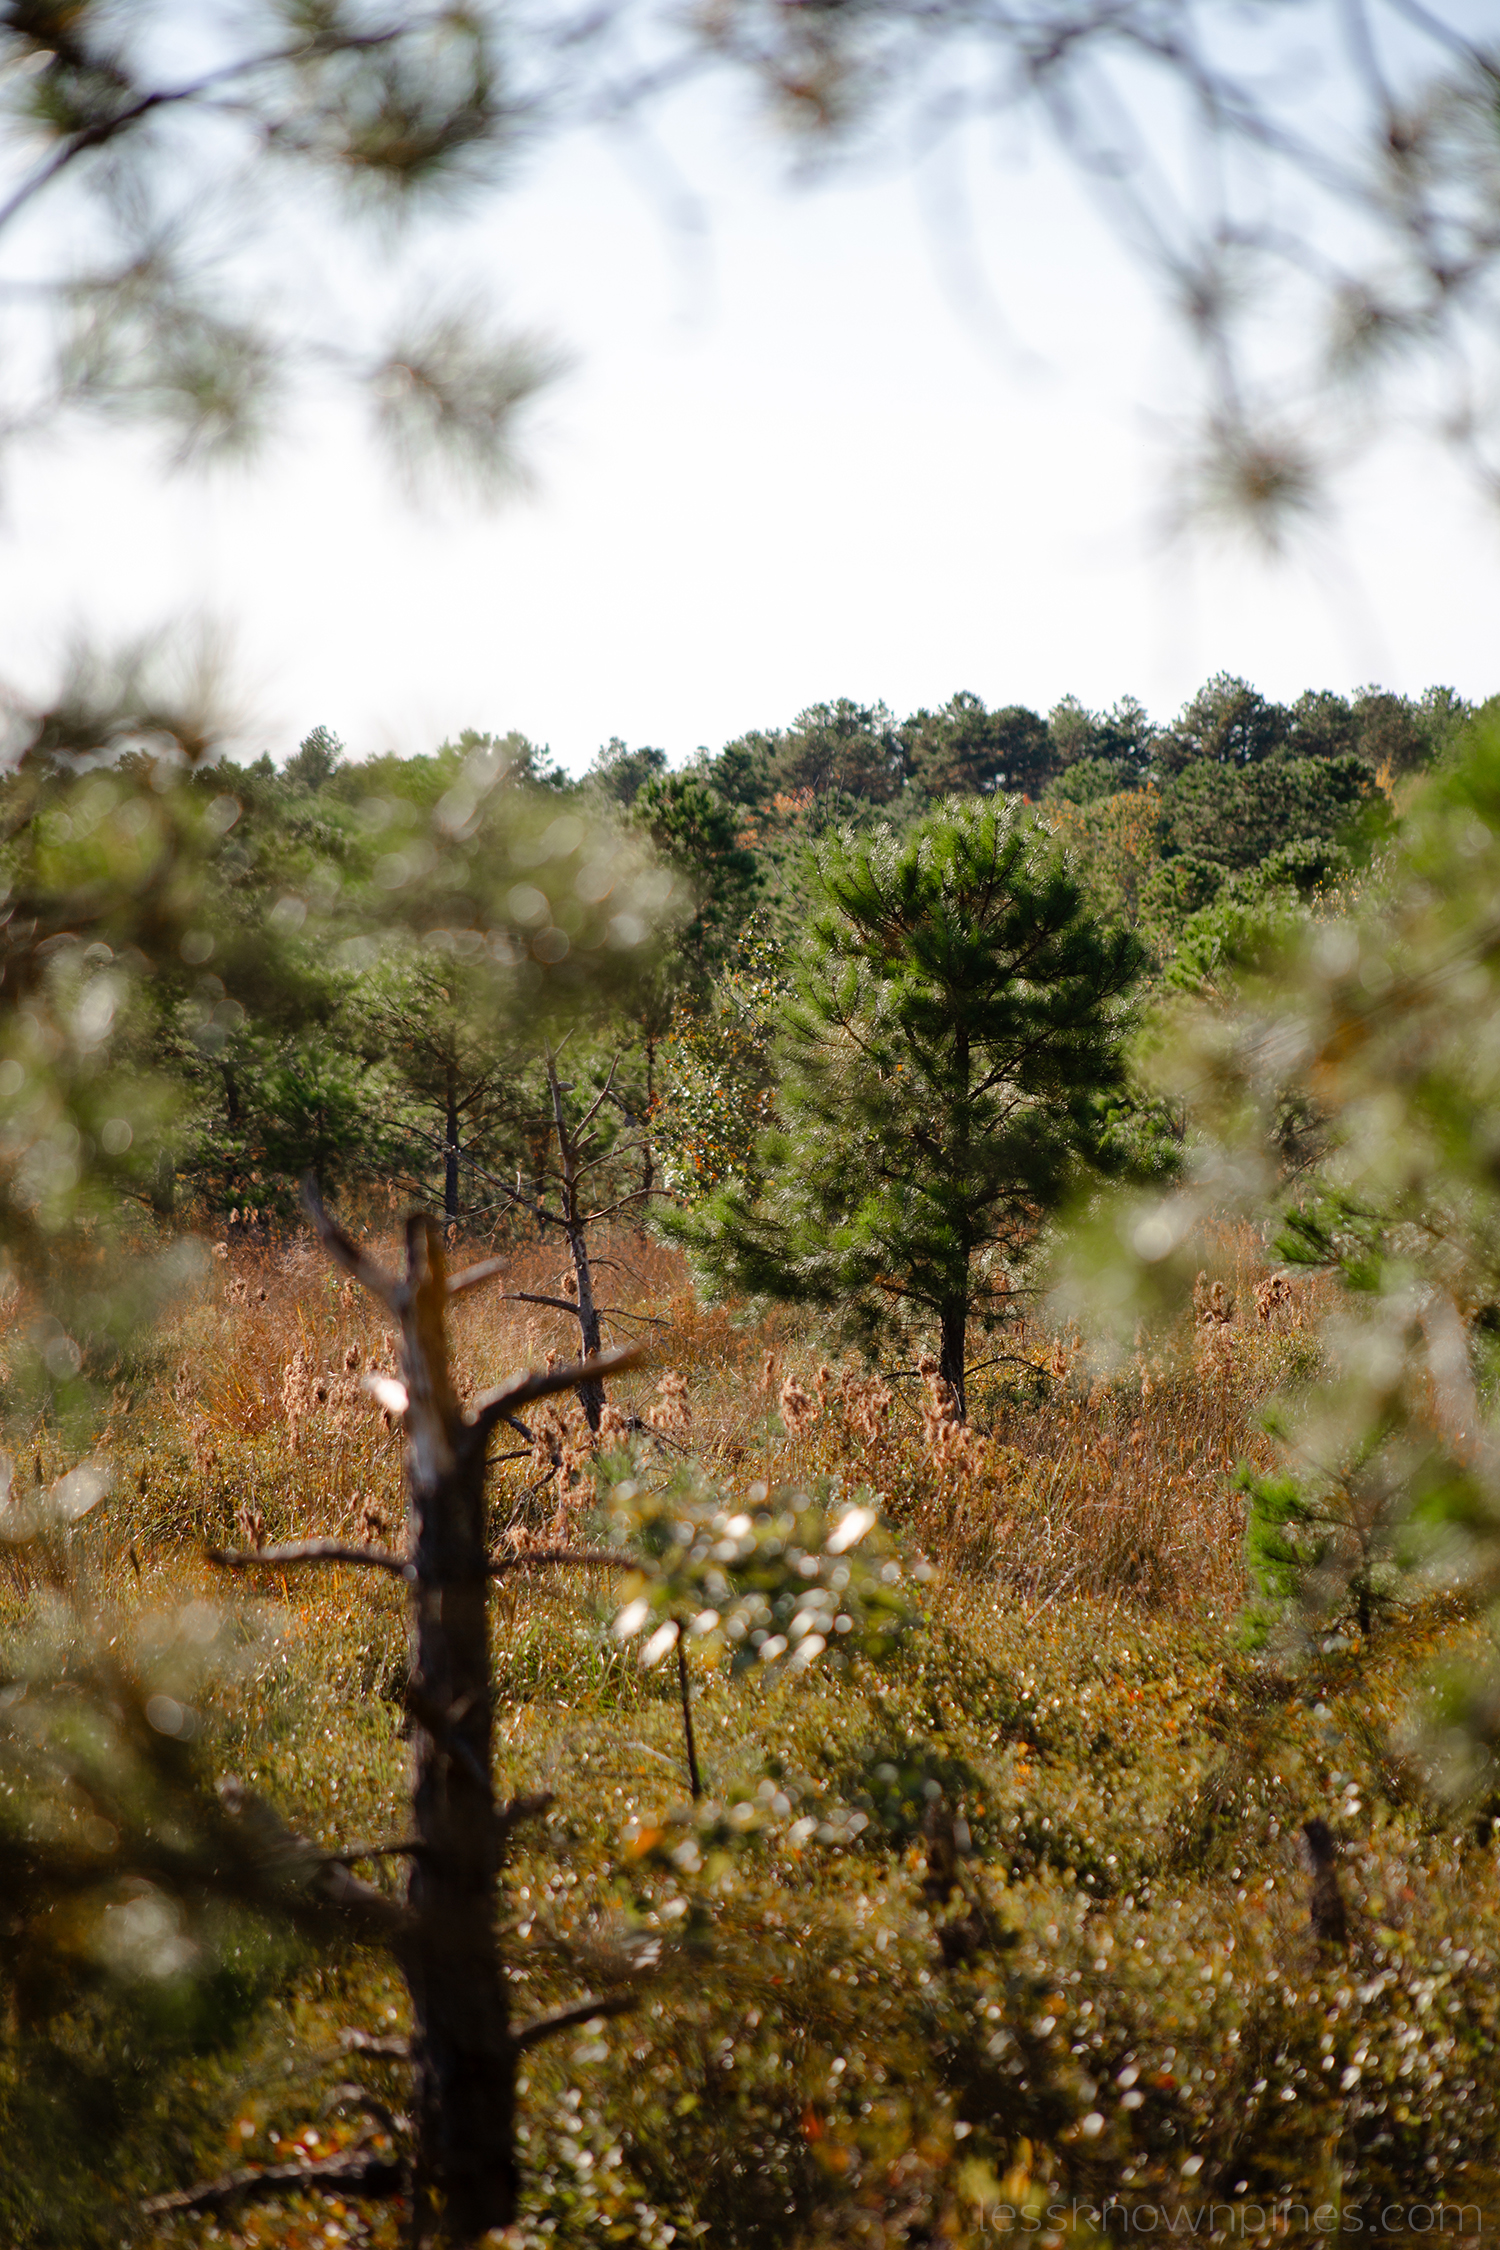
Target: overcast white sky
793 462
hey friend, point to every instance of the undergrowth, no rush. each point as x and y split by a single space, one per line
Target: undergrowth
1015 1923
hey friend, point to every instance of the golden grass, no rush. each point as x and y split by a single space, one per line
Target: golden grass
1118 1487
806 2069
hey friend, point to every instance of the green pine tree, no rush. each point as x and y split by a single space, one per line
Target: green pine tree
946 1058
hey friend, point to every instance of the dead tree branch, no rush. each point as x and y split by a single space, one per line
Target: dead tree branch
584 2011
301 1552
351 2172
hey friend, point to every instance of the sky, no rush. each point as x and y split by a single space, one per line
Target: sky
803 451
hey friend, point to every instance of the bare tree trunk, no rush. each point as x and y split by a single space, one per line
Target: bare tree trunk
163 1187
465 2089
648 1168
951 1356
464 2046
450 1149
591 1393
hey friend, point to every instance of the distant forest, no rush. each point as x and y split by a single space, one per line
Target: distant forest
1188 830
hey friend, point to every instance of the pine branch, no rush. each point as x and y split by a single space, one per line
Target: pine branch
105 129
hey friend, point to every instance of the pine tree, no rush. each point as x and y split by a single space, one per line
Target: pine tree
946 1057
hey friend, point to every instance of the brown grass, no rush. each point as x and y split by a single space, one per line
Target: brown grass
1114 1485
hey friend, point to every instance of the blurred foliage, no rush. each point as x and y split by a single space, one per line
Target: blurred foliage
795 1577
150 178
1340 1072
1376 127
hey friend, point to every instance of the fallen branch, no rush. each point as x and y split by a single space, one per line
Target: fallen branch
355 2171
518 1809
607 1558
377 2045
302 1551
406 1849
584 2011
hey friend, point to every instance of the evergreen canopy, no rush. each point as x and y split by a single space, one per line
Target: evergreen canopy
954 1029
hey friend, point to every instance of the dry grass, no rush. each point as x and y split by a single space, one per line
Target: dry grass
815 2064
1115 1487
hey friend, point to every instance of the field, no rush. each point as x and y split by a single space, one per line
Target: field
1008 1935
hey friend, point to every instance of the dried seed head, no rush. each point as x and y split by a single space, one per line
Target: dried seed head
369 1522
670 1411
799 1409
614 1427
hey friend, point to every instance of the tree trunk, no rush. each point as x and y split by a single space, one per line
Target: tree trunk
231 1097
464 2047
163 1188
648 1170
465 2063
956 1311
951 1357
450 1151
591 1393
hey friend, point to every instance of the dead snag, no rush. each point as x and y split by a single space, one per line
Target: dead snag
464 2046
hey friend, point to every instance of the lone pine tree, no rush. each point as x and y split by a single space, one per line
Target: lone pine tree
952 1038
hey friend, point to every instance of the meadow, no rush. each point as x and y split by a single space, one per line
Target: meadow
1007 1935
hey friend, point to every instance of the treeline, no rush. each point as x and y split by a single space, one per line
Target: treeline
383 1057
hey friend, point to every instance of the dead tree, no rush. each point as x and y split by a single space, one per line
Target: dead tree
464 2045
573 1219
